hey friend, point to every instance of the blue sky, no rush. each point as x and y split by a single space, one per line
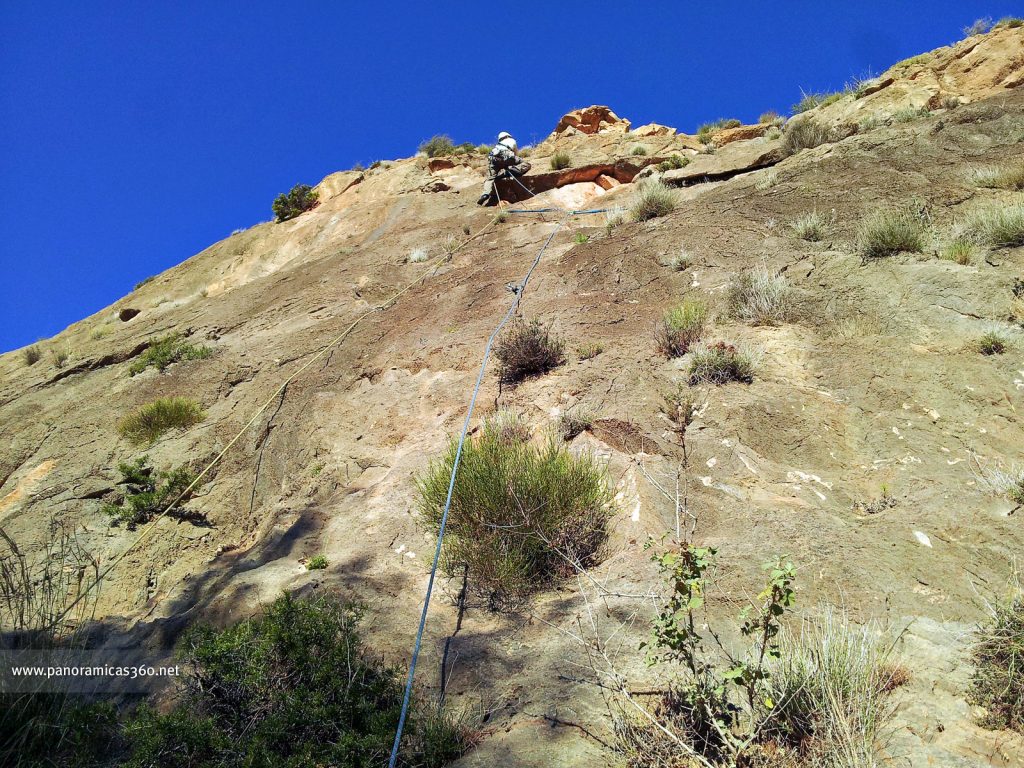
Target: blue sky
133 135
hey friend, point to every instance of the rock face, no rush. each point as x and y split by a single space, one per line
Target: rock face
591 120
871 382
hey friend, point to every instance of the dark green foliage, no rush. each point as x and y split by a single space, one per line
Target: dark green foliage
147 493
673 162
300 199
998 683
522 515
167 350
528 349
55 730
148 423
291 687
438 146
316 563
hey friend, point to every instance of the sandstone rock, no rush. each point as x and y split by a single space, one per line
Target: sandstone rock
740 133
653 129
728 161
591 120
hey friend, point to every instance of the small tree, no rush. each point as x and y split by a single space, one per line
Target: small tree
301 199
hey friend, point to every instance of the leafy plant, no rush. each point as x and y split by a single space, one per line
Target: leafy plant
300 199
673 162
960 251
167 350
438 146
681 327
579 238
148 423
528 349
148 493
560 161
720 363
316 563
522 515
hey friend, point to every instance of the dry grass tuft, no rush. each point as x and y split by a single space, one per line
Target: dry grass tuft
761 297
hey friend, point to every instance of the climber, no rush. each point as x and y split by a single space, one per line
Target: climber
502 160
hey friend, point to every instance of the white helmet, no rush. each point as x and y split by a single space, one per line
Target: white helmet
505 139
504 135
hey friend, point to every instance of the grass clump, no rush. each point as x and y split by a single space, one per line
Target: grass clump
438 146
293 686
300 199
147 493
992 343
910 114
1009 22
316 563
960 251
528 349
31 354
560 161
673 162
639 151
580 238
996 225
681 327
148 423
770 117
888 231
809 101
810 227
522 515
575 421
166 351
760 297
60 356
998 653
999 177
679 261
589 350
706 131
720 363
416 256
766 180
805 133
651 200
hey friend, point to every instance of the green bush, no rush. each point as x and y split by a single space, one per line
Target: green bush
960 251
1009 22
316 563
997 225
998 653
522 515
60 356
888 231
294 687
639 151
300 199
805 133
771 117
148 423
673 162
167 350
810 227
148 493
560 161
909 114
528 349
652 199
720 363
589 350
438 146
992 343
706 131
681 327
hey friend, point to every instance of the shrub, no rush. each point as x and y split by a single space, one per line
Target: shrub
316 563
522 515
960 251
167 350
720 363
528 349
760 297
773 133
300 199
999 177
1009 22
438 146
679 261
998 653
579 238
560 161
766 179
32 354
804 133
995 225
575 421
148 423
888 231
416 256
830 685
706 131
681 327
673 162
771 117
979 27
811 100
294 686
150 279
909 114
810 226
60 356
992 343
148 493
639 151
652 199
589 350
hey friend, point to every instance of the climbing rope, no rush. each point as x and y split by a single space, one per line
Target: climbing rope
150 526
518 292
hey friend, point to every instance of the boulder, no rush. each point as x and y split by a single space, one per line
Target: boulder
741 133
653 129
591 120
